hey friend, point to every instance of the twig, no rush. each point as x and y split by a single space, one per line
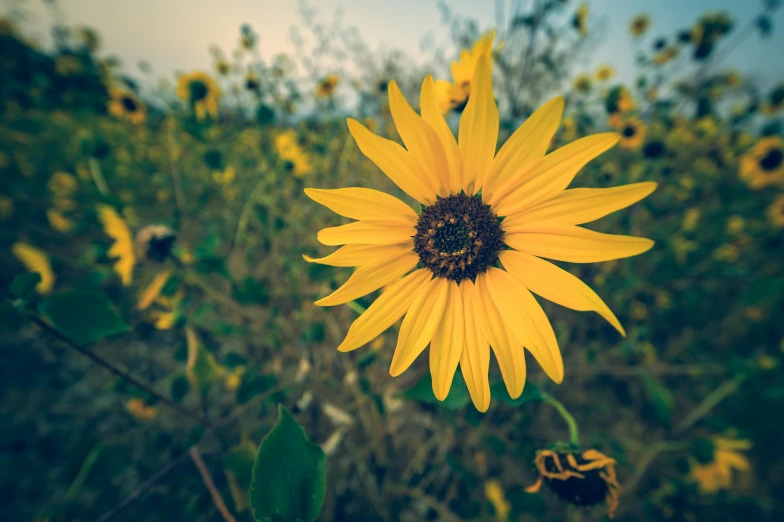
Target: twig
647 457
119 373
710 402
207 478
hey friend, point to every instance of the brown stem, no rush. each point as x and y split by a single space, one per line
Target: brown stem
217 499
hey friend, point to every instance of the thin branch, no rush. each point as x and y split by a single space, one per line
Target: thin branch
710 402
217 499
120 373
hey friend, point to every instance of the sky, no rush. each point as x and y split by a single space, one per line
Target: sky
175 35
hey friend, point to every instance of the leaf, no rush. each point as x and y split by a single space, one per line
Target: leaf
422 391
83 316
238 462
23 285
658 396
531 393
289 474
201 368
179 388
762 290
10 318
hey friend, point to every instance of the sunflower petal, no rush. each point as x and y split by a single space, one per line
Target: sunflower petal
576 245
385 311
447 343
557 285
509 353
475 358
552 175
478 132
526 320
363 203
580 205
368 278
367 232
358 254
394 161
527 143
419 325
420 139
432 112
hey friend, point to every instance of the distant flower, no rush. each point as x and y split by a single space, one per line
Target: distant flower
222 67
639 24
35 260
124 104
153 290
713 472
291 153
327 86
580 20
6 208
776 212
582 479
665 55
141 410
632 133
454 95
604 73
200 91
89 38
122 250
582 84
763 165
58 221
775 100
154 243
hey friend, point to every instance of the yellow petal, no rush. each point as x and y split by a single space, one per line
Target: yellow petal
475 359
394 161
508 352
555 284
367 232
444 93
419 325
528 143
420 140
552 175
735 460
580 205
35 260
576 245
385 311
153 290
478 128
432 113
447 343
525 319
358 254
369 278
363 203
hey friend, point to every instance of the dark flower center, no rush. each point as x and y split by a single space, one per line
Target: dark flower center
198 90
629 131
772 160
654 149
588 491
458 237
129 104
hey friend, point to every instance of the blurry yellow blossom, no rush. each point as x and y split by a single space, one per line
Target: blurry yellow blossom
604 73
222 67
776 212
726 252
665 55
454 95
124 104
234 378
58 221
35 260
580 20
114 226
639 24
632 133
638 310
140 409
683 247
690 219
200 91
766 362
291 153
327 86
716 474
735 224
582 84
62 184
494 493
663 299
153 290
754 313
6 207
763 165
225 176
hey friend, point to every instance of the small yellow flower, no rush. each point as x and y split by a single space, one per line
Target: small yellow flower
141 410
604 73
58 221
6 208
35 260
763 165
62 184
494 493
665 55
114 226
776 212
632 133
327 86
735 225
124 104
200 91
638 310
291 153
582 84
717 474
690 219
580 20
726 252
222 67
639 24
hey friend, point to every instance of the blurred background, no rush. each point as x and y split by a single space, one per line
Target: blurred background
152 161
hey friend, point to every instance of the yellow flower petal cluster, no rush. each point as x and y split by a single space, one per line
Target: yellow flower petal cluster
201 92
453 95
35 260
123 250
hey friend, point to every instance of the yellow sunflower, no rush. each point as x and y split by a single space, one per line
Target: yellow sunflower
639 24
124 104
201 92
716 474
776 212
580 20
763 165
291 153
327 86
479 209
453 95
35 260
114 226
632 133
604 73
582 84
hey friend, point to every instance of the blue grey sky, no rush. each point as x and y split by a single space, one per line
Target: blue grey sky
175 34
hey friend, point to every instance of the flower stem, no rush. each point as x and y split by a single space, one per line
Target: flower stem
574 432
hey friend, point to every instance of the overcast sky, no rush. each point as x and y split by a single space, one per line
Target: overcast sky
175 34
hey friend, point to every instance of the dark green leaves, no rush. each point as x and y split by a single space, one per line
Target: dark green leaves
289 476
530 393
658 396
83 316
24 285
239 468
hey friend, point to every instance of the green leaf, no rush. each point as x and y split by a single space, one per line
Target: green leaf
531 393
179 388
289 476
24 285
658 396
422 391
238 462
83 316
201 369
10 318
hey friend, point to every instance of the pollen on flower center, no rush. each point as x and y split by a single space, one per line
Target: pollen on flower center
458 237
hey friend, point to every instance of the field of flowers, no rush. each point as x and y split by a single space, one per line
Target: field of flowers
169 352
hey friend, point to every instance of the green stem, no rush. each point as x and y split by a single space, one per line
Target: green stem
651 453
97 175
84 471
574 432
710 402
358 308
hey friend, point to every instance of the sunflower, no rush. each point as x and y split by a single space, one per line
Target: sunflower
326 87
763 165
153 290
582 84
453 95
222 67
604 73
124 104
580 20
665 55
776 212
723 456
632 133
35 260
458 297
200 91
154 243
639 24
582 479
290 152
114 226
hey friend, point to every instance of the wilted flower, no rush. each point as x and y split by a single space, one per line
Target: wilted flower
154 243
